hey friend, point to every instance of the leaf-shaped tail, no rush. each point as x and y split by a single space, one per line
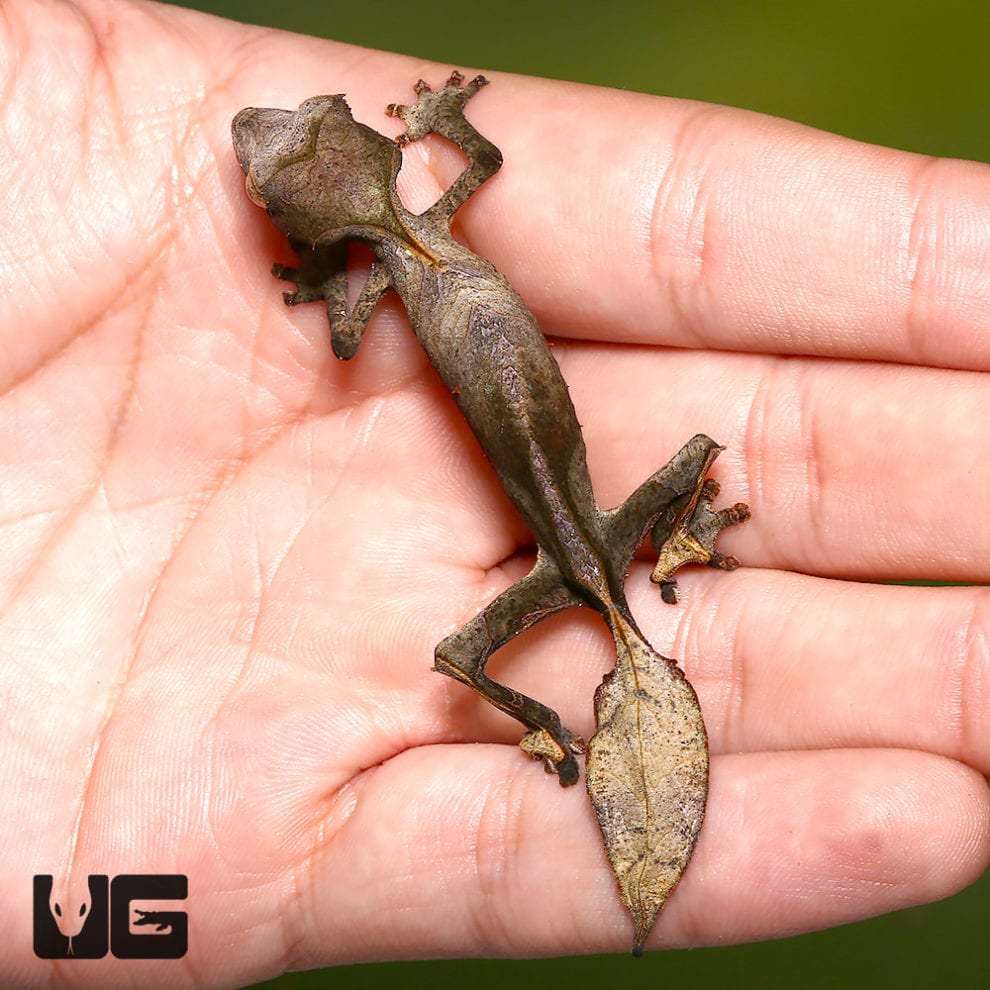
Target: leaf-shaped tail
647 773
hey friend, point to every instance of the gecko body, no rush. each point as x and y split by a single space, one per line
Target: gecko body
326 179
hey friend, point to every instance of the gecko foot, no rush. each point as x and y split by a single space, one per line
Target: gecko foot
692 535
321 273
433 112
557 758
305 291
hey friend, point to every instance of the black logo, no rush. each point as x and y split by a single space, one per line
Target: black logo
87 928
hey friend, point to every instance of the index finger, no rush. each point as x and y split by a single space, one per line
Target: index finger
673 222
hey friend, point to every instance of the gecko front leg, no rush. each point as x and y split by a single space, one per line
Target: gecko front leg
322 274
443 113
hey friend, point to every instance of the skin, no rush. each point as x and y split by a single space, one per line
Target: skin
213 654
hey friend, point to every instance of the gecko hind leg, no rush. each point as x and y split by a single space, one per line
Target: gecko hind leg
464 655
674 506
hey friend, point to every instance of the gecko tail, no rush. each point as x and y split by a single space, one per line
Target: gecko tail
647 773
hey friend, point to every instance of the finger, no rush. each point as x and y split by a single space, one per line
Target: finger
850 469
449 850
705 226
784 662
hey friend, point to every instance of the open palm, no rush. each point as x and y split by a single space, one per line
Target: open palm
228 557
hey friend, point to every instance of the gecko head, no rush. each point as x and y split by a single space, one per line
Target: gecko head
316 170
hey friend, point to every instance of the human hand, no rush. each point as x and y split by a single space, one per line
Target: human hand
229 557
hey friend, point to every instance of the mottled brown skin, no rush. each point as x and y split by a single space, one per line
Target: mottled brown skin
326 180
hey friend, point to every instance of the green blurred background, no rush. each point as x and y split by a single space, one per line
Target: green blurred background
909 75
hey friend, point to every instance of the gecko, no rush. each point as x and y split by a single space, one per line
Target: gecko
327 180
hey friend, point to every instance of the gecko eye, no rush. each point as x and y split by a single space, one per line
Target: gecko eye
252 190
58 910
82 909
